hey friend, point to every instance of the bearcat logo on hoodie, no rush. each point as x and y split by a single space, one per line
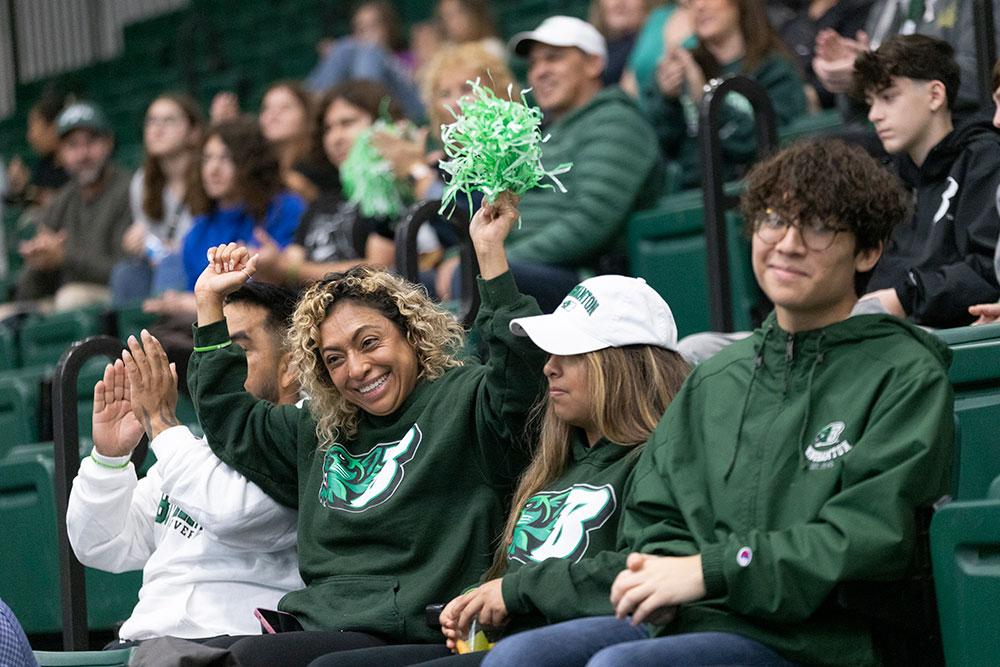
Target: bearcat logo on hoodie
557 524
358 483
827 446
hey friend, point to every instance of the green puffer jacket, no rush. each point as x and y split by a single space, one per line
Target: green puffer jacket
616 170
793 462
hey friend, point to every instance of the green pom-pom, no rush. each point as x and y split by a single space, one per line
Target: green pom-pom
495 145
368 179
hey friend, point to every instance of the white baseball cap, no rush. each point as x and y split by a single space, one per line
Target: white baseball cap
600 312
561 31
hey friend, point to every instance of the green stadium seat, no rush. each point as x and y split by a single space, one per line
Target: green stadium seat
44 338
965 547
975 376
666 247
8 349
810 125
114 658
20 404
30 581
965 533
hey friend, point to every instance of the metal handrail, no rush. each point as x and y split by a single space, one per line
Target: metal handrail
716 202
407 259
986 49
73 590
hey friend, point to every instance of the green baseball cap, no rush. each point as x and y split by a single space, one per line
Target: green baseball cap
83 115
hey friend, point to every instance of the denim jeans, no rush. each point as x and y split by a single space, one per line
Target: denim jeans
569 644
133 279
604 641
695 648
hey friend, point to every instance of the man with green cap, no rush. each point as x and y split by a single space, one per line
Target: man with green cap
79 237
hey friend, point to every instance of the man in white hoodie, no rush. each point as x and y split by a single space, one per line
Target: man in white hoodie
212 545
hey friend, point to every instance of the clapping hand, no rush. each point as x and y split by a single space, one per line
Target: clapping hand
115 429
153 383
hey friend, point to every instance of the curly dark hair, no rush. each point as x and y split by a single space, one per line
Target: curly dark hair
830 180
916 57
258 176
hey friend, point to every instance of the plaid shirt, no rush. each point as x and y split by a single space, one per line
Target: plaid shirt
14 648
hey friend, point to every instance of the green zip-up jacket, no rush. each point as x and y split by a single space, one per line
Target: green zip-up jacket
676 118
576 516
792 463
616 170
406 512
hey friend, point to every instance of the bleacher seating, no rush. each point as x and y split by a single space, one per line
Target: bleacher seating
965 533
30 582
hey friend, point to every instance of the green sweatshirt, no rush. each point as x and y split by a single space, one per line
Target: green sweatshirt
792 463
404 514
676 118
575 516
616 170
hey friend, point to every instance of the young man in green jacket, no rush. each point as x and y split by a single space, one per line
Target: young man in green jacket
790 463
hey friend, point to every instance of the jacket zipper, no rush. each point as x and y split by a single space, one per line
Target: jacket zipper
789 355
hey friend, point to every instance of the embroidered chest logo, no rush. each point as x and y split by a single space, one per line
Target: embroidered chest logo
557 524
827 446
358 483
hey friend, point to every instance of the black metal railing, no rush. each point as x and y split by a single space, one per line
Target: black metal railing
986 49
713 167
408 259
73 590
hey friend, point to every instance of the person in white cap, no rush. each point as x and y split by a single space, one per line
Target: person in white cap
616 165
612 370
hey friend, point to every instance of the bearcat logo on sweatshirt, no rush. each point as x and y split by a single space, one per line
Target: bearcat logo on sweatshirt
359 483
827 446
557 524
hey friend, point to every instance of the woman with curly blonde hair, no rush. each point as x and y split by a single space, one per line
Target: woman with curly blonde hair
613 369
402 460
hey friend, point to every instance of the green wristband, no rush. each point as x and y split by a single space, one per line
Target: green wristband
212 348
108 465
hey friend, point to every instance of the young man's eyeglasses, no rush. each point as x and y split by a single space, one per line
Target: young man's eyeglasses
770 227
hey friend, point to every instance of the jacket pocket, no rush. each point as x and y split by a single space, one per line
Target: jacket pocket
348 602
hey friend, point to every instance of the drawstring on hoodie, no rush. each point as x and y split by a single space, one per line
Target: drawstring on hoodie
758 362
820 355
